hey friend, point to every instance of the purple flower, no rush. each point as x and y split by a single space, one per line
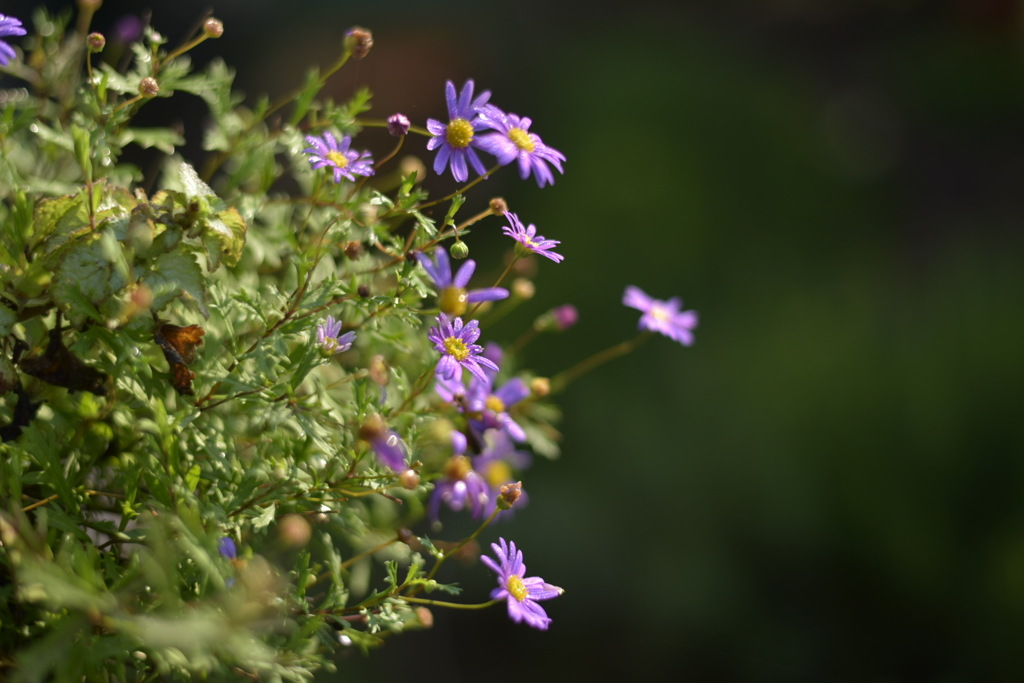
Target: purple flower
662 317
461 487
9 26
328 339
452 296
347 163
456 139
514 142
226 547
530 240
488 407
456 342
521 592
390 450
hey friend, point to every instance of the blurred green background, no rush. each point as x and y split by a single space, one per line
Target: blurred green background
828 485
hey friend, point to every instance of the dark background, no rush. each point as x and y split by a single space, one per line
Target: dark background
828 485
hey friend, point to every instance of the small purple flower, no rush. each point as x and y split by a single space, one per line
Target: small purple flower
226 547
328 339
514 142
497 464
347 163
398 125
9 26
390 450
460 487
455 141
457 343
521 592
662 317
452 296
530 240
488 407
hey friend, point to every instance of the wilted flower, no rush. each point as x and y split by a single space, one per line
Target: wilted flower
347 163
662 317
520 591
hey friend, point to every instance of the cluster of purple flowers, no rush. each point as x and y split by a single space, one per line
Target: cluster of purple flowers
479 476
509 139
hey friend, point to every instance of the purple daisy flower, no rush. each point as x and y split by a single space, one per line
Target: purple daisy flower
347 163
662 317
530 240
9 26
488 406
514 142
328 339
452 296
455 140
461 487
521 592
457 343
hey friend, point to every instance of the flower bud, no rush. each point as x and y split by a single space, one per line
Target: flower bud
398 125
294 531
459 250
558 319
540 386
95 42
213 28
509 494
499 207
358 42
363 291
378 371
373 427
410 479
523 288
148 87
353 250
424 616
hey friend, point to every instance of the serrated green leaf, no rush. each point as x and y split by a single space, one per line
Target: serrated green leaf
163 139
91 270
174 273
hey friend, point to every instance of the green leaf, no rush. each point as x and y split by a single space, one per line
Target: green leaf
172 274
91 271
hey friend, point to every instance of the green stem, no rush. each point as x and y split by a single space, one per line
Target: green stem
566 377
451 605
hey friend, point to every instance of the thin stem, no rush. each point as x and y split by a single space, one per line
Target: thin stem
461 544
504 274
451 605
462 190
566 377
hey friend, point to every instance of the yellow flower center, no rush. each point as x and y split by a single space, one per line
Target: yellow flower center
456 348
516 588
521 139
659 313
498 473
496 404
337 158
459 133
453 300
